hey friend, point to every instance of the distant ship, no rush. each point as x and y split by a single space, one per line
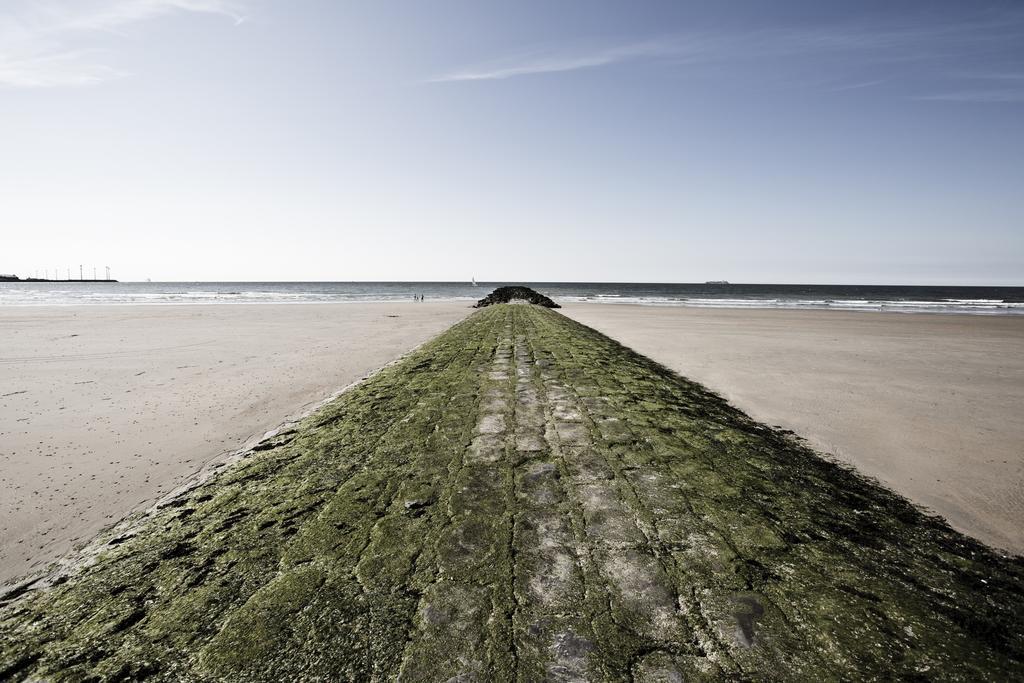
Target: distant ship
473 281
717 282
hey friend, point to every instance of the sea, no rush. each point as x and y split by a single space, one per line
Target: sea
895 299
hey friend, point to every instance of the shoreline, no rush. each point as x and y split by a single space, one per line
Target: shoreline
978 299
887 309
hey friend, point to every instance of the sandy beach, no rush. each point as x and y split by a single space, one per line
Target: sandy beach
928 404
524 499
104 408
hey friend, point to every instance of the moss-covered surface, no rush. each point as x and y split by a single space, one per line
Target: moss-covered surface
525 499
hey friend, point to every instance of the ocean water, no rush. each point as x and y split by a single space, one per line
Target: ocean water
979 300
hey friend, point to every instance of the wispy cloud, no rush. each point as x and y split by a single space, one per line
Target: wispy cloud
858 86
547 61
74 67
47 43
995 86
916 55
982 96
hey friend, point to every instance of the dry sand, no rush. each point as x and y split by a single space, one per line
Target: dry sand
104 408
931 405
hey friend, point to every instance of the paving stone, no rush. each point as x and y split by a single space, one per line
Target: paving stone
531 441
572 433
491 424
486 448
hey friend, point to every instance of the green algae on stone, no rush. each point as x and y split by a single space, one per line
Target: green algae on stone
525 499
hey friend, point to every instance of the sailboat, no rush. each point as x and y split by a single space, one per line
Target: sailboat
473 281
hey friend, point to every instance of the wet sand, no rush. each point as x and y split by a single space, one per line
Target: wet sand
105 408
930 405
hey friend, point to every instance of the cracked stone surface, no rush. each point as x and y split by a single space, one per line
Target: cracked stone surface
524 499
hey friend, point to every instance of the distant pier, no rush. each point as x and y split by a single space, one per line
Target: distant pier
15 278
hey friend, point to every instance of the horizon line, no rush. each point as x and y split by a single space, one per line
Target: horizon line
546 282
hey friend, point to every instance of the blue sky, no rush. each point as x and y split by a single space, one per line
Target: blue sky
868 142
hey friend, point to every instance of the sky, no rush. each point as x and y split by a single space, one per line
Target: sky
804 141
